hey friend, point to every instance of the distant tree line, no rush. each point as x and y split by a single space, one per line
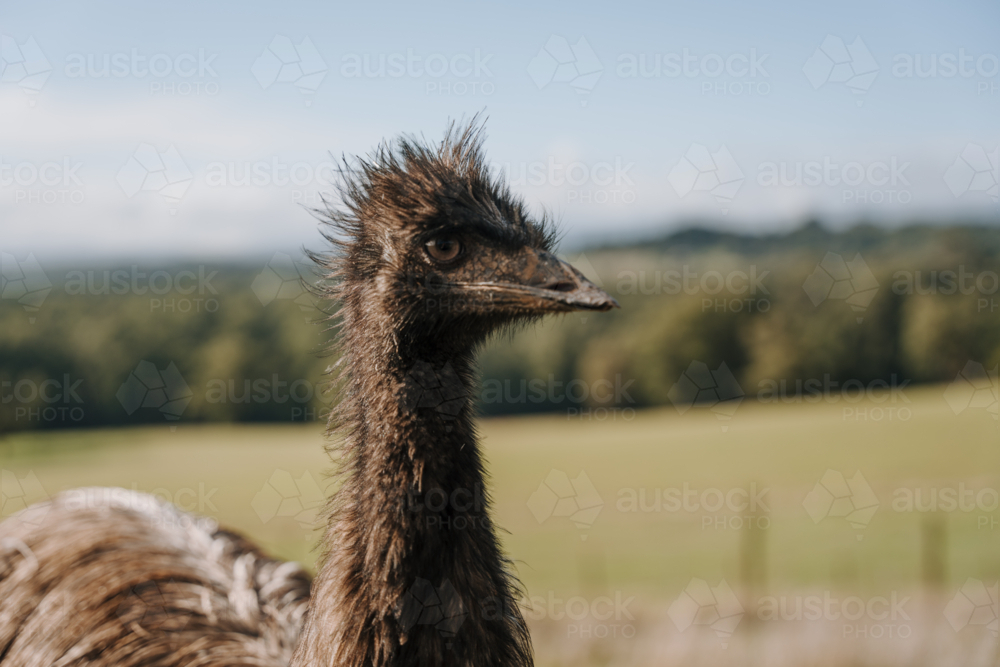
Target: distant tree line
705 314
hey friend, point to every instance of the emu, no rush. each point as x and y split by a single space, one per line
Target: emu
431 254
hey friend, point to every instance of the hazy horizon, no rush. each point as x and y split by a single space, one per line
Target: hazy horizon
206 130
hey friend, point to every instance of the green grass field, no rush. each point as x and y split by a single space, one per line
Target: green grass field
652 550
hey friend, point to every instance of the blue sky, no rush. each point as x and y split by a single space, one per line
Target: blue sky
609 151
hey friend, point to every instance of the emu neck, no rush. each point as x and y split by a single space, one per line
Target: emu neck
413 573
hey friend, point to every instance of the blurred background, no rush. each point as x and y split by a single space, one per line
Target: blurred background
782 450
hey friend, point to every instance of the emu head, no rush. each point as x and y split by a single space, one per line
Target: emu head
436 248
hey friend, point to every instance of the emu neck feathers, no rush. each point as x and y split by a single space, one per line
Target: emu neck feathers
413 573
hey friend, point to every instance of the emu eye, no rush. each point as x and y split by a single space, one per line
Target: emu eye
443 249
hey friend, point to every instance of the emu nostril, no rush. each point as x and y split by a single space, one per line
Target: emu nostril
561 286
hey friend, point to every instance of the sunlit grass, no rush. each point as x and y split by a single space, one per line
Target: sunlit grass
217 470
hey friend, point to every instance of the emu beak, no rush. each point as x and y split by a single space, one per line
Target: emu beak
539 282
557 283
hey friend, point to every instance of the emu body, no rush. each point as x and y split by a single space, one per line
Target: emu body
431 255
109 577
